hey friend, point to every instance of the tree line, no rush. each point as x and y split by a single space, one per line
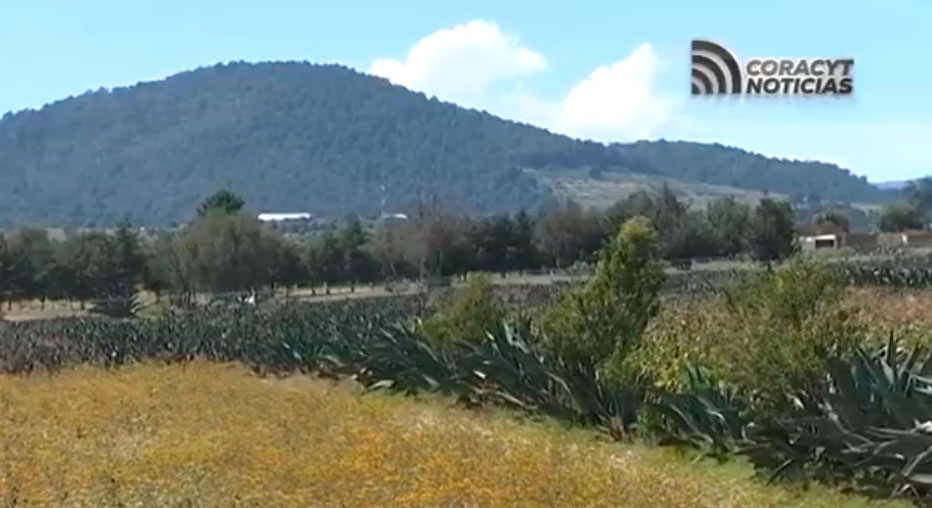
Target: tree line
226 249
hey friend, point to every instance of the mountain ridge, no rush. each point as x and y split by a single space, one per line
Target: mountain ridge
321 138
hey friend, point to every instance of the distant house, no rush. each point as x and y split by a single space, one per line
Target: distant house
824 236
816 242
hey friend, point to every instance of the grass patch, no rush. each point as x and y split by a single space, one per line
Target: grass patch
214 435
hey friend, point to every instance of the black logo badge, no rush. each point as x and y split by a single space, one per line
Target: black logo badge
714 69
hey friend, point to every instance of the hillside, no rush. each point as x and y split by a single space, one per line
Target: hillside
322 139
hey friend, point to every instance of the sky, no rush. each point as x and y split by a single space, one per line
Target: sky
608 71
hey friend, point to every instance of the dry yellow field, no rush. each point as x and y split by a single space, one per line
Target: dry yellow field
214 435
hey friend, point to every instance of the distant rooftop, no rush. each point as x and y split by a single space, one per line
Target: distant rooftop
397 216
279 217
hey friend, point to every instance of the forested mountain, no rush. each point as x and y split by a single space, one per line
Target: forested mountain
322 139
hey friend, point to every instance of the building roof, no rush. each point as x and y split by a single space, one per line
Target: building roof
277 217
399 216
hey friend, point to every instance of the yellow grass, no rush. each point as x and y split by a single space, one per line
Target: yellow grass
214 435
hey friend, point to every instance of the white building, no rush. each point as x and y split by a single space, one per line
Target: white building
814 242
284 217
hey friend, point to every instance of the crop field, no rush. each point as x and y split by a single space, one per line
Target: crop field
792 375
214 435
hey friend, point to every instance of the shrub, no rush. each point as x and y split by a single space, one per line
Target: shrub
602 322
781 328
469 315
769 335
679 336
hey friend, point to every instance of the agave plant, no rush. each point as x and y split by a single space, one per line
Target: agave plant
896 271
707 415
871 424
117 306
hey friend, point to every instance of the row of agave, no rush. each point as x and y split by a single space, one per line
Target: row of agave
275 338
377 342
868 427
895 271
705 281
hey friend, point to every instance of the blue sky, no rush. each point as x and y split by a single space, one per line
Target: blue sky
613 70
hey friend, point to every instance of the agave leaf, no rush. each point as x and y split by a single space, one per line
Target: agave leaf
916 461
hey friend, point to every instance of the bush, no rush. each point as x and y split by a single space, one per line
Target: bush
468 316
600 323
779 330
769 336
679 336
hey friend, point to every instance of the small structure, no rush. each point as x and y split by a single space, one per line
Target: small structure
816 242
824 236
288 222
284 217
392 216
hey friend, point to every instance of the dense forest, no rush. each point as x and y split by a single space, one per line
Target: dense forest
323 139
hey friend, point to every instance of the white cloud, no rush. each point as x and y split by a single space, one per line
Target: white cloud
461 63
616 102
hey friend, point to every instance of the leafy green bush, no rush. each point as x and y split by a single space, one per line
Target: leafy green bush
782 328
470 315
768 335
601 322
681 335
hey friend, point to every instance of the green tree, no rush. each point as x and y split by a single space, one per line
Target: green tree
329 258
773 231
289 268
172 264
7 271
522 253
566 233
490 239
223 200
233 252
85 266
918 195
731 220
679 234
155 273
37 263
832 219
895 217
602 322
693 237
387 247
126 261
358 263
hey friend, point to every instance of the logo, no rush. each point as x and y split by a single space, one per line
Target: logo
716 71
